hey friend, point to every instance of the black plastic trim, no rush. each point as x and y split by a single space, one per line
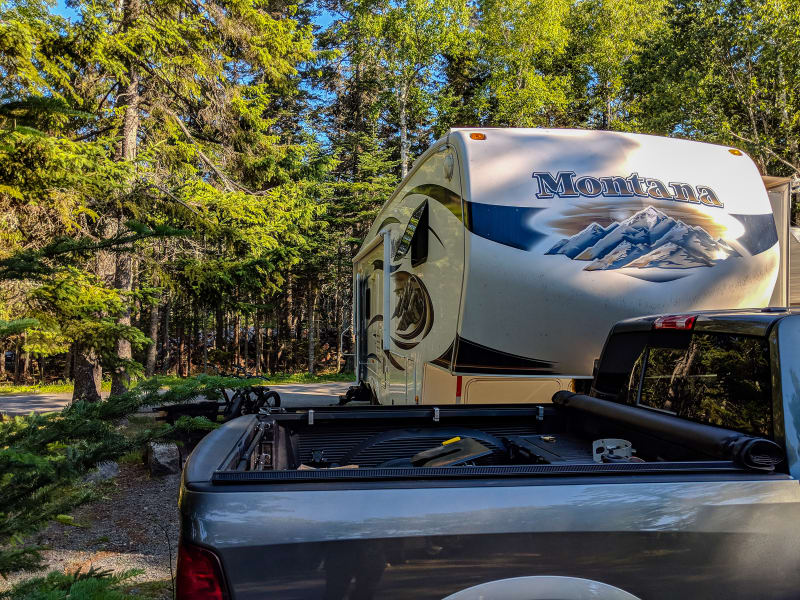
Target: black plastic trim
382 474
405 484
338 413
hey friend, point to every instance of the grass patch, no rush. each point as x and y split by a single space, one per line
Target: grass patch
69 521
135 457
277 379
59 387
280 378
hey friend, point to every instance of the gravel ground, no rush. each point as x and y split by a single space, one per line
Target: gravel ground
129 530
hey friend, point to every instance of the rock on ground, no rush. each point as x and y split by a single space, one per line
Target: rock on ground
105 470
163 459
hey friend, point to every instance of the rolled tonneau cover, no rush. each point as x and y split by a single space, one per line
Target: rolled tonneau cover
746 450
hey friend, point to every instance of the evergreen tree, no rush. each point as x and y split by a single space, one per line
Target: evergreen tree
728 72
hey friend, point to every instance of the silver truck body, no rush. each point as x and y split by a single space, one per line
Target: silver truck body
647 536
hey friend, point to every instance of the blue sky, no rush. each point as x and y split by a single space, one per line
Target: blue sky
63 10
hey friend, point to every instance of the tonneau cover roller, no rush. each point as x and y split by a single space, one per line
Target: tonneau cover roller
747 451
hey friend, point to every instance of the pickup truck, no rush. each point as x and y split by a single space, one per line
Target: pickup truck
675 476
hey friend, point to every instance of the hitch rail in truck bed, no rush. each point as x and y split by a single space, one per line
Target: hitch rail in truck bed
676 476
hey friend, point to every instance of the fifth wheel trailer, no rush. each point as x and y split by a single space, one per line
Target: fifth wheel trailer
497 267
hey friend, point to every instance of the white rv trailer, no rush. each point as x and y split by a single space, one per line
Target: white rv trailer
497 267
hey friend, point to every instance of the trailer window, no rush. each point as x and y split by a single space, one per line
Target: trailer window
415 237
712 378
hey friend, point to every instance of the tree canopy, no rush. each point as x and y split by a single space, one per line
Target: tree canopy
183 184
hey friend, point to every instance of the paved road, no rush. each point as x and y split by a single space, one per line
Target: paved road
26 403
310 394
292 395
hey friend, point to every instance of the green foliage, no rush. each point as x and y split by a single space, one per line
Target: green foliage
43 458
608 38
15 327
73 307
94 584
521 43
187 425
726 71
16 558
213 160
178 390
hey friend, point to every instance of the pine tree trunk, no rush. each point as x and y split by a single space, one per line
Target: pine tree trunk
289 349
403 134
88 376
17 363
258 340
245 340
181 348
120 379
219 341
152 349
26 366
165 336
336 310
68 363
192 340
205 341
2 361
269 350
237 357
129 98
312 305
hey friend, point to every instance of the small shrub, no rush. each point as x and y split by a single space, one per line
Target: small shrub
43 457
94 584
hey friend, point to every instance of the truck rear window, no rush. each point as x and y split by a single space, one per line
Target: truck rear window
713 378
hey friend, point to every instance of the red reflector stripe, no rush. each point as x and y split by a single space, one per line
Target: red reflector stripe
675 322
458 386
199 575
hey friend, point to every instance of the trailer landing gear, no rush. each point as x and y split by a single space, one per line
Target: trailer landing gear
356 393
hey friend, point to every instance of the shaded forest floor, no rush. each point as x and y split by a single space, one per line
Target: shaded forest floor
135 526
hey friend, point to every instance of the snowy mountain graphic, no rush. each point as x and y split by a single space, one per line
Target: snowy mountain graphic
646 239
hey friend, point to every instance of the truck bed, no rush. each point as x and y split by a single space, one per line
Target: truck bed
351 527
385 443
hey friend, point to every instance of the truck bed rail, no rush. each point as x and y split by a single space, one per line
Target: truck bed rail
223 477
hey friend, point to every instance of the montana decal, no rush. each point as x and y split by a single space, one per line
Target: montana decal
649 238
567 184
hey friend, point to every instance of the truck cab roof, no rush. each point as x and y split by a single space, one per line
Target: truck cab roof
744 321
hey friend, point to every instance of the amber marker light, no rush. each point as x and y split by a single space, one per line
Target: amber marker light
477 136
735 152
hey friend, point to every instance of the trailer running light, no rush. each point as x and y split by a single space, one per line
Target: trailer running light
199 575
683 322
735 152
477 136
